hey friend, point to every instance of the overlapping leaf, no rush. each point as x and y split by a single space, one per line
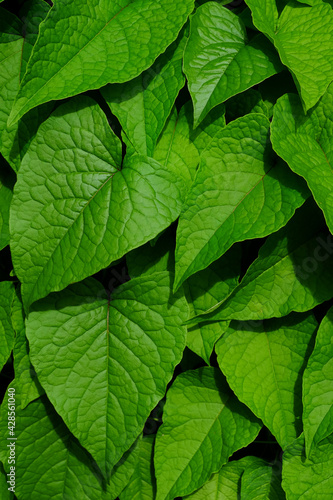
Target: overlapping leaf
305 143
7 180
303 36
73 199
6 330
104 42
293 272
263 364
225 484
203 425
202 291
239 192
261 481
25 375
220 62
87 349
142 483
58 467
143 105
305 478
318 387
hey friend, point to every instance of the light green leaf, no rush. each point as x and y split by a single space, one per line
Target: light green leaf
203 425
142 483
86 349
263 364
6 330
142 105
318 387
50 463
7 181
225 484
261 481
308 479
305 143
73 198
126 35
175 149
220 62
240 192
293 272
179 146
202 291
303 36
25 375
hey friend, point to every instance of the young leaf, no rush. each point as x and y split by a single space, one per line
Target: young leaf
86 349
142 483
308 478
73 198
318 387
263 364
6 330
303 36
142 105
305 143
220 62
239 193
225 484
50 463
203 425
202 291
25 375
293 272
127 37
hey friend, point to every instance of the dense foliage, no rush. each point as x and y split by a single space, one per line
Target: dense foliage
166 220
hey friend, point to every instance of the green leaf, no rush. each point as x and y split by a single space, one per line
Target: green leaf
6 330
318 387
7 181
86 349
101 43
305 143
10 27
263 364
73 198
261 481
226 484
293 272
142 483
33 12
142 105
303 36
249 101
203 425
175 149
122 472
149 259
5 494
50 463
220 62
202 291
25 375
239 192
307 479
